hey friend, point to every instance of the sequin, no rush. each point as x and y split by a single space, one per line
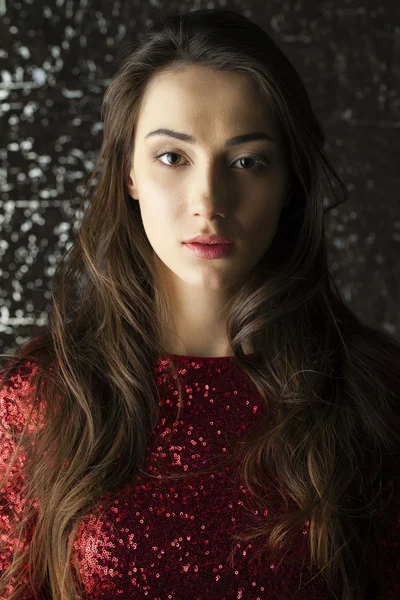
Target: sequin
163 539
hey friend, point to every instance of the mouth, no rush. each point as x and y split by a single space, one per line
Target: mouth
209 243
208 240
209 251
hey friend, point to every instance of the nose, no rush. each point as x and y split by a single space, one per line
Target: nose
210 198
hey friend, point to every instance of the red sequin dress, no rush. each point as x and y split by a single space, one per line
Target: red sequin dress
163 539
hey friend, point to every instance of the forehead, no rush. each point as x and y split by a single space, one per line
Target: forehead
206 99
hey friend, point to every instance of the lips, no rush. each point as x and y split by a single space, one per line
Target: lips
210 251
210 240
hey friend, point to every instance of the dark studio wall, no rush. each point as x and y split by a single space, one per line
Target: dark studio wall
57 58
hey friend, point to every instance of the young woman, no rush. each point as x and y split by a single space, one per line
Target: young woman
203 421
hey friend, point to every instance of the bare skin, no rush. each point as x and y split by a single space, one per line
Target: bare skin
212 189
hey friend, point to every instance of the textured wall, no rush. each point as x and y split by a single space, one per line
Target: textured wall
56 59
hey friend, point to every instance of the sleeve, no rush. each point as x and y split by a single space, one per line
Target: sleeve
14 410
389 526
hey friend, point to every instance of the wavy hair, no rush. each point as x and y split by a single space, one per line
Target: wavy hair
330 382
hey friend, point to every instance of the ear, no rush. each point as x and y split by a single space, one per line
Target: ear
131 189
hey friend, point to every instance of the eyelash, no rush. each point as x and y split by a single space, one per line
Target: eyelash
261 160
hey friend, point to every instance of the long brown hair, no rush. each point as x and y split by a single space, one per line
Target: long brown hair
331 383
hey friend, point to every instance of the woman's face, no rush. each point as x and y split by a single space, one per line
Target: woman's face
207 186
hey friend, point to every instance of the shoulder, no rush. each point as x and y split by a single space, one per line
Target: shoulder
17 396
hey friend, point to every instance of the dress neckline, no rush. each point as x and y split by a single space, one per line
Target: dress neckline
206 358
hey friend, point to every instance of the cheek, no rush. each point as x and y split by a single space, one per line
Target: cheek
157 206
261 222
262 212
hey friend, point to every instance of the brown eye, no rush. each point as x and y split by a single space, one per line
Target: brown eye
168 154
261 161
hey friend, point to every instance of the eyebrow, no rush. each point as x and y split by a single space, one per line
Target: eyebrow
235 141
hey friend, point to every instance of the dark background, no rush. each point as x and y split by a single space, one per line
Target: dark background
56 60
